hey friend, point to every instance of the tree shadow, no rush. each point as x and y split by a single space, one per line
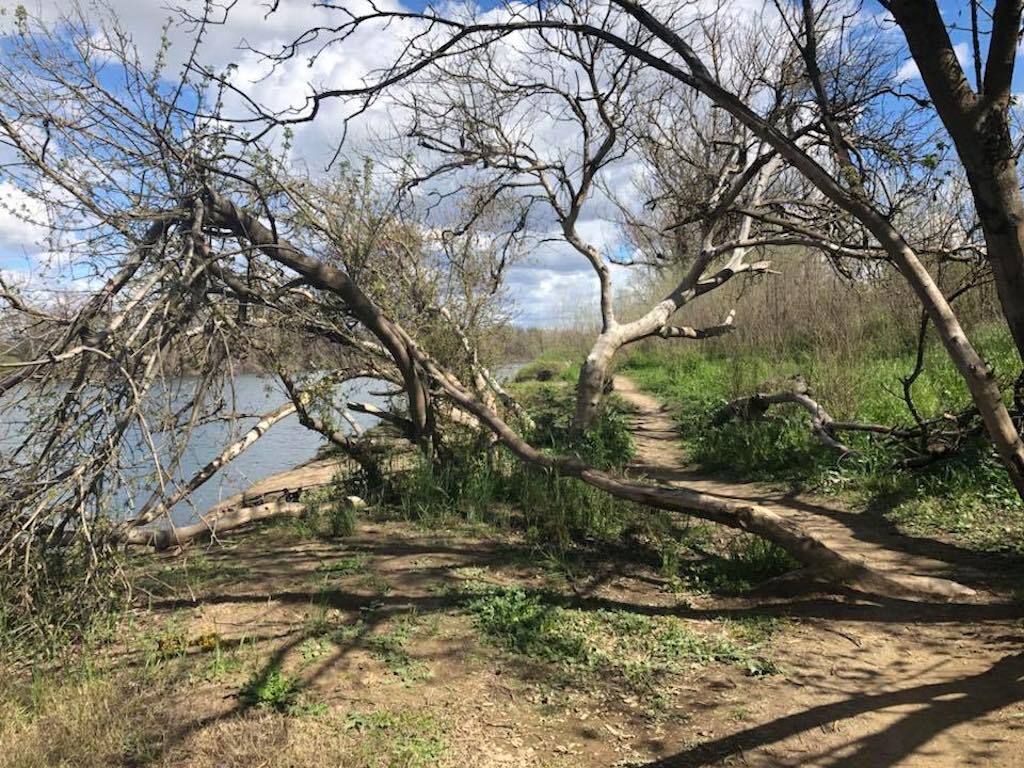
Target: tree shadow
942 706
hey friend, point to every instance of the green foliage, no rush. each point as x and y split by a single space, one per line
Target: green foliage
632 646
608 444
346 566
328 513
270 688
748 561
389 647
222 663
399 738
69 598
480 485
545 369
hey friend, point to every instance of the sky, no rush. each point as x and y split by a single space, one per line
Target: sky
555 284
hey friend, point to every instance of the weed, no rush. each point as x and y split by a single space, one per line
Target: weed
222 663
312 649
270 688
317 621
328 513
748 561
346 566
399 737
390 648
632 646
349 632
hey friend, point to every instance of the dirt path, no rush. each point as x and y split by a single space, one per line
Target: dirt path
864 536
869 683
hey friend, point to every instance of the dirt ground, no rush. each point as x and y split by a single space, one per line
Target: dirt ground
395 669
861 682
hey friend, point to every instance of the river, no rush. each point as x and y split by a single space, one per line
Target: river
283 446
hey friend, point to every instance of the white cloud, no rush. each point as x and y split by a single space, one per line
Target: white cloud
909 71
556 282
22 221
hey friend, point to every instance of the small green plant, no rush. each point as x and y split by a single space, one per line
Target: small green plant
328 513
270 688
317 621
311 649
169 642
346 566
222 663
396 738
349 632
390 648
748 561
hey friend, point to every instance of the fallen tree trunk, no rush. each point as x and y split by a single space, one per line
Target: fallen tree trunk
272 490
823 426
211 526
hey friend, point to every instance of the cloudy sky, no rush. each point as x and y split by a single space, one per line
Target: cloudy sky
555 283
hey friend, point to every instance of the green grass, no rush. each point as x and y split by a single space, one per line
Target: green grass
190 573
745 562
548 368
967 497
492 487
633 647
403 738
390 648
328 515
346 566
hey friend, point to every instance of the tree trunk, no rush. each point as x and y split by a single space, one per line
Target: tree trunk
593 375
223 212
978 123
1000 210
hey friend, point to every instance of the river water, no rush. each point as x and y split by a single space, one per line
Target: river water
283 446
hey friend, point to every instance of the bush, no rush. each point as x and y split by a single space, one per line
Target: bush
480 486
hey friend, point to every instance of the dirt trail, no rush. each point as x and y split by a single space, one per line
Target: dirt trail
862 535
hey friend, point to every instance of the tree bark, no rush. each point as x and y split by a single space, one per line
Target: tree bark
225 213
